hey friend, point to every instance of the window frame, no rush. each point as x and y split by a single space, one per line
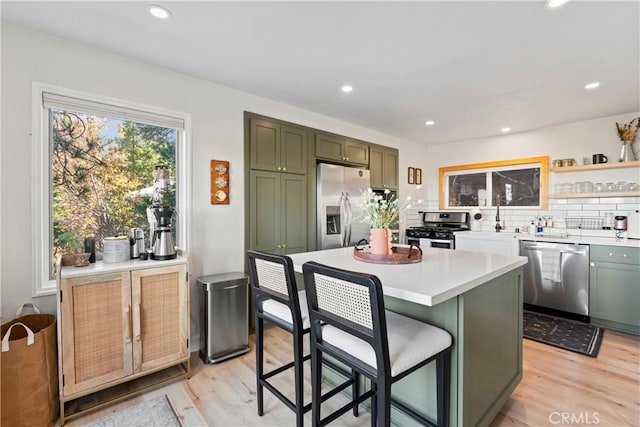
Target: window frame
41 196
488 167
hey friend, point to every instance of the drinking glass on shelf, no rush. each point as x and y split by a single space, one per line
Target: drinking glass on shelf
578 187
598 187
633 186
622 186
568 188
608 220
588 186
609 186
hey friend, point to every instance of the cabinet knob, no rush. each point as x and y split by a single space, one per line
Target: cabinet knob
279 168
347 158
284 169
279 246
284 245
593 264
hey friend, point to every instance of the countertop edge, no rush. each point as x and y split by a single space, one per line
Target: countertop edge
425 298
588 240
100 267
462 288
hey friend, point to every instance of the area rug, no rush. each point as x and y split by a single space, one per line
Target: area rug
156 412
563 333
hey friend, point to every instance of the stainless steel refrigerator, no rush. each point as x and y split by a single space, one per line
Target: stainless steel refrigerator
340 211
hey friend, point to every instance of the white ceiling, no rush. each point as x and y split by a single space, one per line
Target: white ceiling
472 66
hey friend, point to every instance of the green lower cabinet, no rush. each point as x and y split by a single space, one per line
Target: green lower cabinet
614 282
278 212
486 360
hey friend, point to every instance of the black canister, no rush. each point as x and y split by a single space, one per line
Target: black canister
90 247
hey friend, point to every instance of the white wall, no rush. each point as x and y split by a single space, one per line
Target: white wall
217 240
574 140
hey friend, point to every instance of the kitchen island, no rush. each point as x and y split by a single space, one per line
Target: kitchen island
477 298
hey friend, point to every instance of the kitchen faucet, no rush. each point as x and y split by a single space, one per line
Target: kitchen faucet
498 226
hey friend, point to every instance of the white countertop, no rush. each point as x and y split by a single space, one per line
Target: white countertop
442 274
553 235
100 267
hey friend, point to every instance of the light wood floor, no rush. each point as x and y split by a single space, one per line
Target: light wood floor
559 388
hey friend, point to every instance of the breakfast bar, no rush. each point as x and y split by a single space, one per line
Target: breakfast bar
477 298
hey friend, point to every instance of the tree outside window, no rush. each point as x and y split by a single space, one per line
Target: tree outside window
102 175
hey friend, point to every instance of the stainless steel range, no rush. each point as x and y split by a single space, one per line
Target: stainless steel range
438 229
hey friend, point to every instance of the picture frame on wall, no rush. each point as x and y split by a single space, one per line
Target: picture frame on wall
418 176
411 176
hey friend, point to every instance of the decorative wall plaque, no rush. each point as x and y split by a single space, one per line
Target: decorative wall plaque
219 182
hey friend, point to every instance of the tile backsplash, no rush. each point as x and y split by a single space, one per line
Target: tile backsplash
558 210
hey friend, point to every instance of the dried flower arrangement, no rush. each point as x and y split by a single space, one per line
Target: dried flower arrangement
628 132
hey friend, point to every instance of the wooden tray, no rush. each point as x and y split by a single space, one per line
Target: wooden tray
400 255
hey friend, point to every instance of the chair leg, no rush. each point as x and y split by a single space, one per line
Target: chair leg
374 404
443 378
259 363
355 390
316 385
383 398
299 372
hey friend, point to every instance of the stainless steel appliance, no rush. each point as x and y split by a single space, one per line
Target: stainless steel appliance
162 243
338 203
620 223
438 229
136 242
556 277
224 321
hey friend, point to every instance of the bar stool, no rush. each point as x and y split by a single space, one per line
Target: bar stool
349 322
278 301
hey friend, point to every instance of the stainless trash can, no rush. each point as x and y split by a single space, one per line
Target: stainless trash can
224 328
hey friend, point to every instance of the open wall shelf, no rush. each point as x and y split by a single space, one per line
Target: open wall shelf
617 165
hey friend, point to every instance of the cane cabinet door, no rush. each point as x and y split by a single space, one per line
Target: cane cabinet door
96 330
160 316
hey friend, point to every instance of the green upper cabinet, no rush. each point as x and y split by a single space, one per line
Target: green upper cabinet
384 167
276 147
341 149
614 287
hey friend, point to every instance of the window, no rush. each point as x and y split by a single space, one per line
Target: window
509 183
102 163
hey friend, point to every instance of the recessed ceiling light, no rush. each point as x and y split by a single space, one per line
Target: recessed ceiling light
429 123
592 85
347 88
159 11
552 4
505 129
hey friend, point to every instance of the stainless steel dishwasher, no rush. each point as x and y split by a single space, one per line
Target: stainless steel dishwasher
557 277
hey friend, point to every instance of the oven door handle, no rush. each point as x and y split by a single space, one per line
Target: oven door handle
439 241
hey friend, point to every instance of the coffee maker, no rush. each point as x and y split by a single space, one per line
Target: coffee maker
162 240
